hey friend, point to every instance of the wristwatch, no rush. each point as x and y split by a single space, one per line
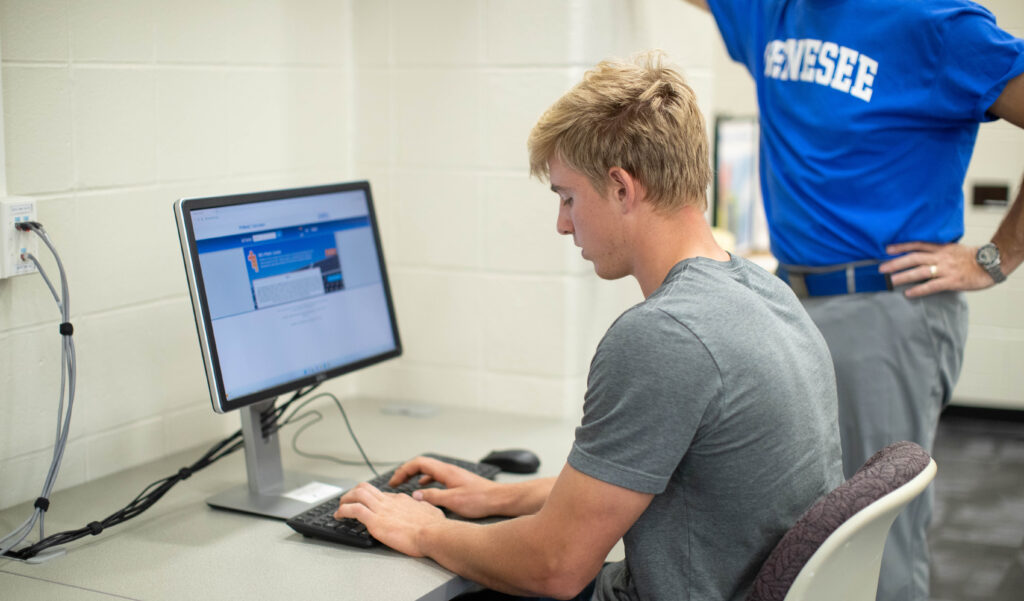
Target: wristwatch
988 258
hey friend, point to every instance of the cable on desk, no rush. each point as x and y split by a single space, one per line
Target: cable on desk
270 422
149 495
67 385
155 490
295 417
143 501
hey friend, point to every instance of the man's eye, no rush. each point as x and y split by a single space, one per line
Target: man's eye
567 202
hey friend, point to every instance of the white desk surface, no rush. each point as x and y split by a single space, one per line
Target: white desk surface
183 549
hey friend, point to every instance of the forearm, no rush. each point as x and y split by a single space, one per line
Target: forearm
510 556
1009 237
554 552
521 498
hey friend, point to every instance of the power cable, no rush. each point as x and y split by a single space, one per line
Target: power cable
270 421
67 385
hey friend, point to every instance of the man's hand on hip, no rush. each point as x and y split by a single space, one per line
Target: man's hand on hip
938 267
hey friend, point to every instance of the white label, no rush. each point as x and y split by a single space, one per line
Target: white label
314 492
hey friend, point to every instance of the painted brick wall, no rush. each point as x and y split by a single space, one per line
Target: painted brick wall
113 109
993 372
496 309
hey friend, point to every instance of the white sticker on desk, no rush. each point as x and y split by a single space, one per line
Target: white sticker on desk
313 492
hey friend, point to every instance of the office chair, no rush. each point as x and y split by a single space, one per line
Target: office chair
834 551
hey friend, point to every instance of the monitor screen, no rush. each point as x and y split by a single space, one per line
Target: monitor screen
288 288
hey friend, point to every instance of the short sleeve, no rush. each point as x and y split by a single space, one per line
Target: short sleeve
980 59
650 384
737 22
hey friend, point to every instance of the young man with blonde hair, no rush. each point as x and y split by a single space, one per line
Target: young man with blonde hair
709 421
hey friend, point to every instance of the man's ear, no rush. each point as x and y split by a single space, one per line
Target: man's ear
625 188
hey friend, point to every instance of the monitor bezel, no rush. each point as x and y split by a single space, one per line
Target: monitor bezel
183 209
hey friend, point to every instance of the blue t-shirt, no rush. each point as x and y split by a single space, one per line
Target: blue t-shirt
869 114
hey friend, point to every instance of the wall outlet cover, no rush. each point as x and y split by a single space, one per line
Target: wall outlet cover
14 243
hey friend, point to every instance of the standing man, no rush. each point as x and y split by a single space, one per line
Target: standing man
869 112
709 421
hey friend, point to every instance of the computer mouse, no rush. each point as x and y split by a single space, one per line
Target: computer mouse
516 461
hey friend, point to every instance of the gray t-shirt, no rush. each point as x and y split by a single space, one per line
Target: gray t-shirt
717 394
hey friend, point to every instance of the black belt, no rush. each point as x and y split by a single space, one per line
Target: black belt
829 280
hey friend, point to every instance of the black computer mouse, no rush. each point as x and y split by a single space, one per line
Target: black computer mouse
516 461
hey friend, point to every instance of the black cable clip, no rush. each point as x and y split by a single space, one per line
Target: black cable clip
66 329
184 473
94 527
43 503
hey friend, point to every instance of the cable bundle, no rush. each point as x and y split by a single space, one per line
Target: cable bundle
145 499
271 421
67 384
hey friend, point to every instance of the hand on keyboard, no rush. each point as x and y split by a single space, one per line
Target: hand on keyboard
393 518
463 492
320 521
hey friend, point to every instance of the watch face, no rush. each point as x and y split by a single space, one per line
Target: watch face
987 254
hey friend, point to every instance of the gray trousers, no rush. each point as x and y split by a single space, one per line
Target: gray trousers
897 361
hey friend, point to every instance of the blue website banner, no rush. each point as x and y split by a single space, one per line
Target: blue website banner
266 259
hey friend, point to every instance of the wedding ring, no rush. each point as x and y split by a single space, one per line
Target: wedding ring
933 270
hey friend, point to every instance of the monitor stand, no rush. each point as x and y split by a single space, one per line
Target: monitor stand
271 491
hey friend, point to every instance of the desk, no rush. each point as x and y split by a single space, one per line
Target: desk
182 549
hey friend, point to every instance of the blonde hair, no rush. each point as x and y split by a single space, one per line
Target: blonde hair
640 116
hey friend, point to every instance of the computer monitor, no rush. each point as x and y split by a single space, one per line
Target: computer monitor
289 288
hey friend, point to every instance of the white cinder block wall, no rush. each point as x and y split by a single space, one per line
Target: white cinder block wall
113 109
496 309
992 375
993 372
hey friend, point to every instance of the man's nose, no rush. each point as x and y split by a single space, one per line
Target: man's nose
563 224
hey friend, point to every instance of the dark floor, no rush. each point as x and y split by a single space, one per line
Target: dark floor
977 533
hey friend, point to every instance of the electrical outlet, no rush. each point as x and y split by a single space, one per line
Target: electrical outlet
13 242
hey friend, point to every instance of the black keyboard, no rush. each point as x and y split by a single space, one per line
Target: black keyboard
319 522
